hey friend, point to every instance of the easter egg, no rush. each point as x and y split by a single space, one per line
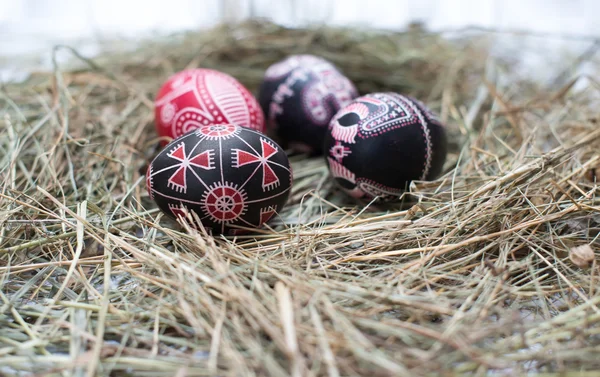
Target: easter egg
200 97
229 176
381 142
299 95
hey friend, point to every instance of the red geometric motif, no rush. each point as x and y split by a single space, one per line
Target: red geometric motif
203 160
269 178
242 158
178 210
267 213
224 203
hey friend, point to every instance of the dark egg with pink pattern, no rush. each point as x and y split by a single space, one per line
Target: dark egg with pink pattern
381 142
229 176
299 95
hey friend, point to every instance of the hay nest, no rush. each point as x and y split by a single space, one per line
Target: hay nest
489 270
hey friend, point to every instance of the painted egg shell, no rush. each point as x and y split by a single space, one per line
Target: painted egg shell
199 97
228 175
381 142
299 96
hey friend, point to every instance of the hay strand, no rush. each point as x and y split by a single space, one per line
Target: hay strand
488 270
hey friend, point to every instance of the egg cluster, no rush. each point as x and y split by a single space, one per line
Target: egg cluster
221 167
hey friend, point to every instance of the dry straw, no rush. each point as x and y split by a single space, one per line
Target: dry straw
476 273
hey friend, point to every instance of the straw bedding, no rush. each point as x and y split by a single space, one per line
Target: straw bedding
487 271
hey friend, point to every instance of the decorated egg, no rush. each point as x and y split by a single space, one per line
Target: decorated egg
201 97
381 142
229 176
299 96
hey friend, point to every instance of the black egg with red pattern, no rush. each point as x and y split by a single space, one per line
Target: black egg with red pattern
227 175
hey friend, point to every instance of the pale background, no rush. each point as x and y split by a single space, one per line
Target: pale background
32 27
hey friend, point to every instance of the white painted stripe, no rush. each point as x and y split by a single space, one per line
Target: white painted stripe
428 148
